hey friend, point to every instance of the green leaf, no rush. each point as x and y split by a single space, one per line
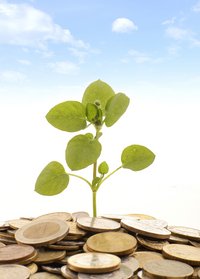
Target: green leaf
52 180
137 157
115 108
82 151
91 112
95 181
98 93
103 168
68 116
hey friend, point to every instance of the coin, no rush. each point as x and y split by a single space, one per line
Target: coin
67 273
145 256
145 229
94 262
118 217
14 252
141 216
51 269
194 243
41 232
184 253
168 268
94 224
74 230
45 275
79 214
32 267
2 244
131 262
156 223
195 274
152 244
48 256
123 272
178 239
193 234
18 223
198 274
141 275
116 243
14 271
64 216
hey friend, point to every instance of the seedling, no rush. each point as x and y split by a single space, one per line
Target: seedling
100 106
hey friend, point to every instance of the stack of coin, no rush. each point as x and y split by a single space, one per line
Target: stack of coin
77 246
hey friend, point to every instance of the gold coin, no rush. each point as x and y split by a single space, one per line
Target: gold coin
41 232
193 234
13 253
32 267
123 272
145 229
67 273
14 271
155 245
194 243
28 260
141 216
131 262
74 230
94 262
45 275
145 256
64 216
178 239
116 243
94 224
48 256
18 223
168 269
79 214
184 253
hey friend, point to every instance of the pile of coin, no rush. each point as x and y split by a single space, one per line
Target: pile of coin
77 246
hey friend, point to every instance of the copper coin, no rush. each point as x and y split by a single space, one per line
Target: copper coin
152 244
184 253
193 234
94 224
145 256
94 262
145 229
14 252
116 243
42 232
168 269
64 216
123 272
14 271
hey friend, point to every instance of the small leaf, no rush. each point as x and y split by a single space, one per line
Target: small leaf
81 152
103 168
115 108
68 116
98 93
95 181
91 112
137 157
52 180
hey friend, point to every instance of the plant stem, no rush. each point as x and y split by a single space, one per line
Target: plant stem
80 177
94 201
108 176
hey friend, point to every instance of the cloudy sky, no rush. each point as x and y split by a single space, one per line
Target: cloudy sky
150 50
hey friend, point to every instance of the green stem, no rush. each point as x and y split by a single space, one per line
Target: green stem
80 177
94 201
108 176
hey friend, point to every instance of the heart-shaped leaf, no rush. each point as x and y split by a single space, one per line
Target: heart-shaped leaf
137 157
98 93
68 116
52 180
115 108
82 151
103 168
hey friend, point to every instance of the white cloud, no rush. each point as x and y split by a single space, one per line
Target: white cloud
64 67
177 33
123 25
12 76
22 24
169 21
196 7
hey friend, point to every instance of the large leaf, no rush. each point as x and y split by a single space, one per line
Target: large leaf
99 93
82 151
137 157
68 116
52 180
115 108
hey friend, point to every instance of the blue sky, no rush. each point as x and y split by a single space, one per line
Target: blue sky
150 50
